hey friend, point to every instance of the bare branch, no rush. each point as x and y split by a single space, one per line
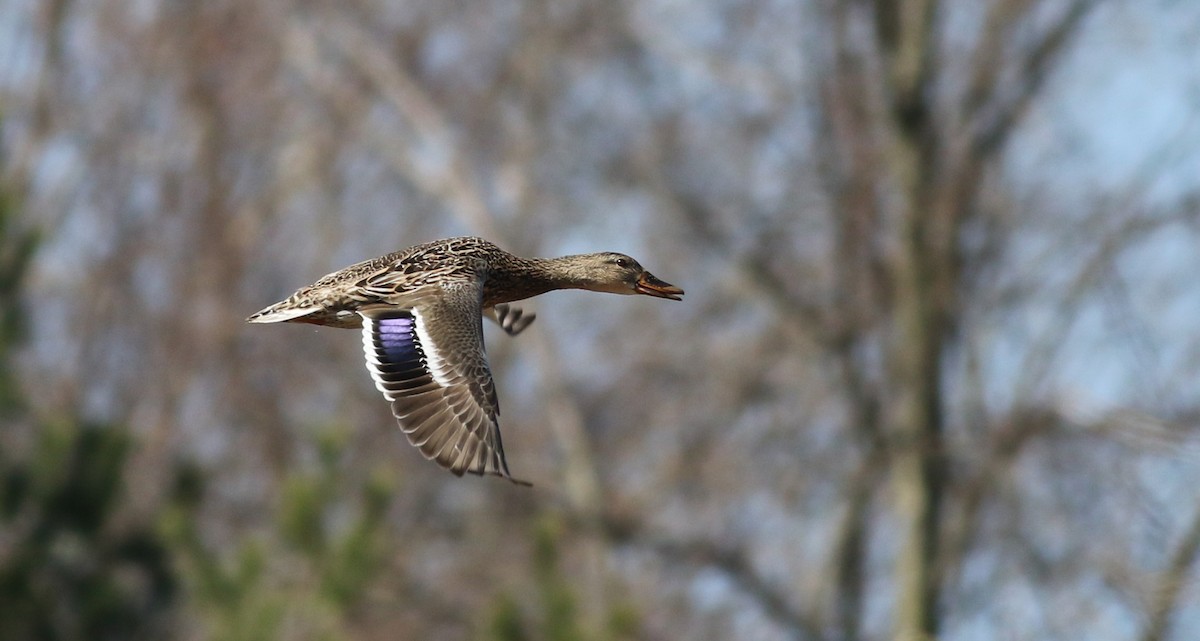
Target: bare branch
988 61
850 550
1035 68
450 180
732 562
1165 598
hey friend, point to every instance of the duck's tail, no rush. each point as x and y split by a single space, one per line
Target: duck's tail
281 312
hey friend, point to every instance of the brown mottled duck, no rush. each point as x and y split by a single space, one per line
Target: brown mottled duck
421 309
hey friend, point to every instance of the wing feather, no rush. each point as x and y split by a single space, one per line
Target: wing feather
429 363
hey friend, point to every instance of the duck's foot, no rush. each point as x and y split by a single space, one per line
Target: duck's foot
510 318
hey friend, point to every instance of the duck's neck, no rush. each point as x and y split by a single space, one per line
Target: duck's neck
523 278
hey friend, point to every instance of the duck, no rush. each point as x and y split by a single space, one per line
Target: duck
421 311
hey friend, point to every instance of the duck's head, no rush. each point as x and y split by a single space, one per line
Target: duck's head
620 274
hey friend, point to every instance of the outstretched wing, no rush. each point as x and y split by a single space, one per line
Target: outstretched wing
429 362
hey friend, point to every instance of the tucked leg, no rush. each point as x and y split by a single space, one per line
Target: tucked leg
510 318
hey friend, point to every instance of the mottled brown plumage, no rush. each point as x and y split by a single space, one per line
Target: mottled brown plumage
420 312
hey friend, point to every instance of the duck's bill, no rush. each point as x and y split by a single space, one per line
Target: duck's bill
649 285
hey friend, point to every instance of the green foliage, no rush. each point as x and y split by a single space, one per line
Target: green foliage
560 615
624 621
70 570
233 591
320 562
506 623
557 617
354 560
17 248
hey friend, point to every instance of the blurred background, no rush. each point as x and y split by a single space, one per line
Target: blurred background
936 374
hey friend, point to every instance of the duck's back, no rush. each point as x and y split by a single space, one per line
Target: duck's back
332 300
417 265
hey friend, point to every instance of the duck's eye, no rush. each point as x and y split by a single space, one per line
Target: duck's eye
622 262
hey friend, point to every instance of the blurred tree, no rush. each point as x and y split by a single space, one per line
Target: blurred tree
303 579
936 369
17 246
73 565
558 616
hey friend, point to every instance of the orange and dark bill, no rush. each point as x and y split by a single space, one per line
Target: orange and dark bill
649 285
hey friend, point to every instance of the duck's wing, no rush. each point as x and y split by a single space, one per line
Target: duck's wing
427 358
